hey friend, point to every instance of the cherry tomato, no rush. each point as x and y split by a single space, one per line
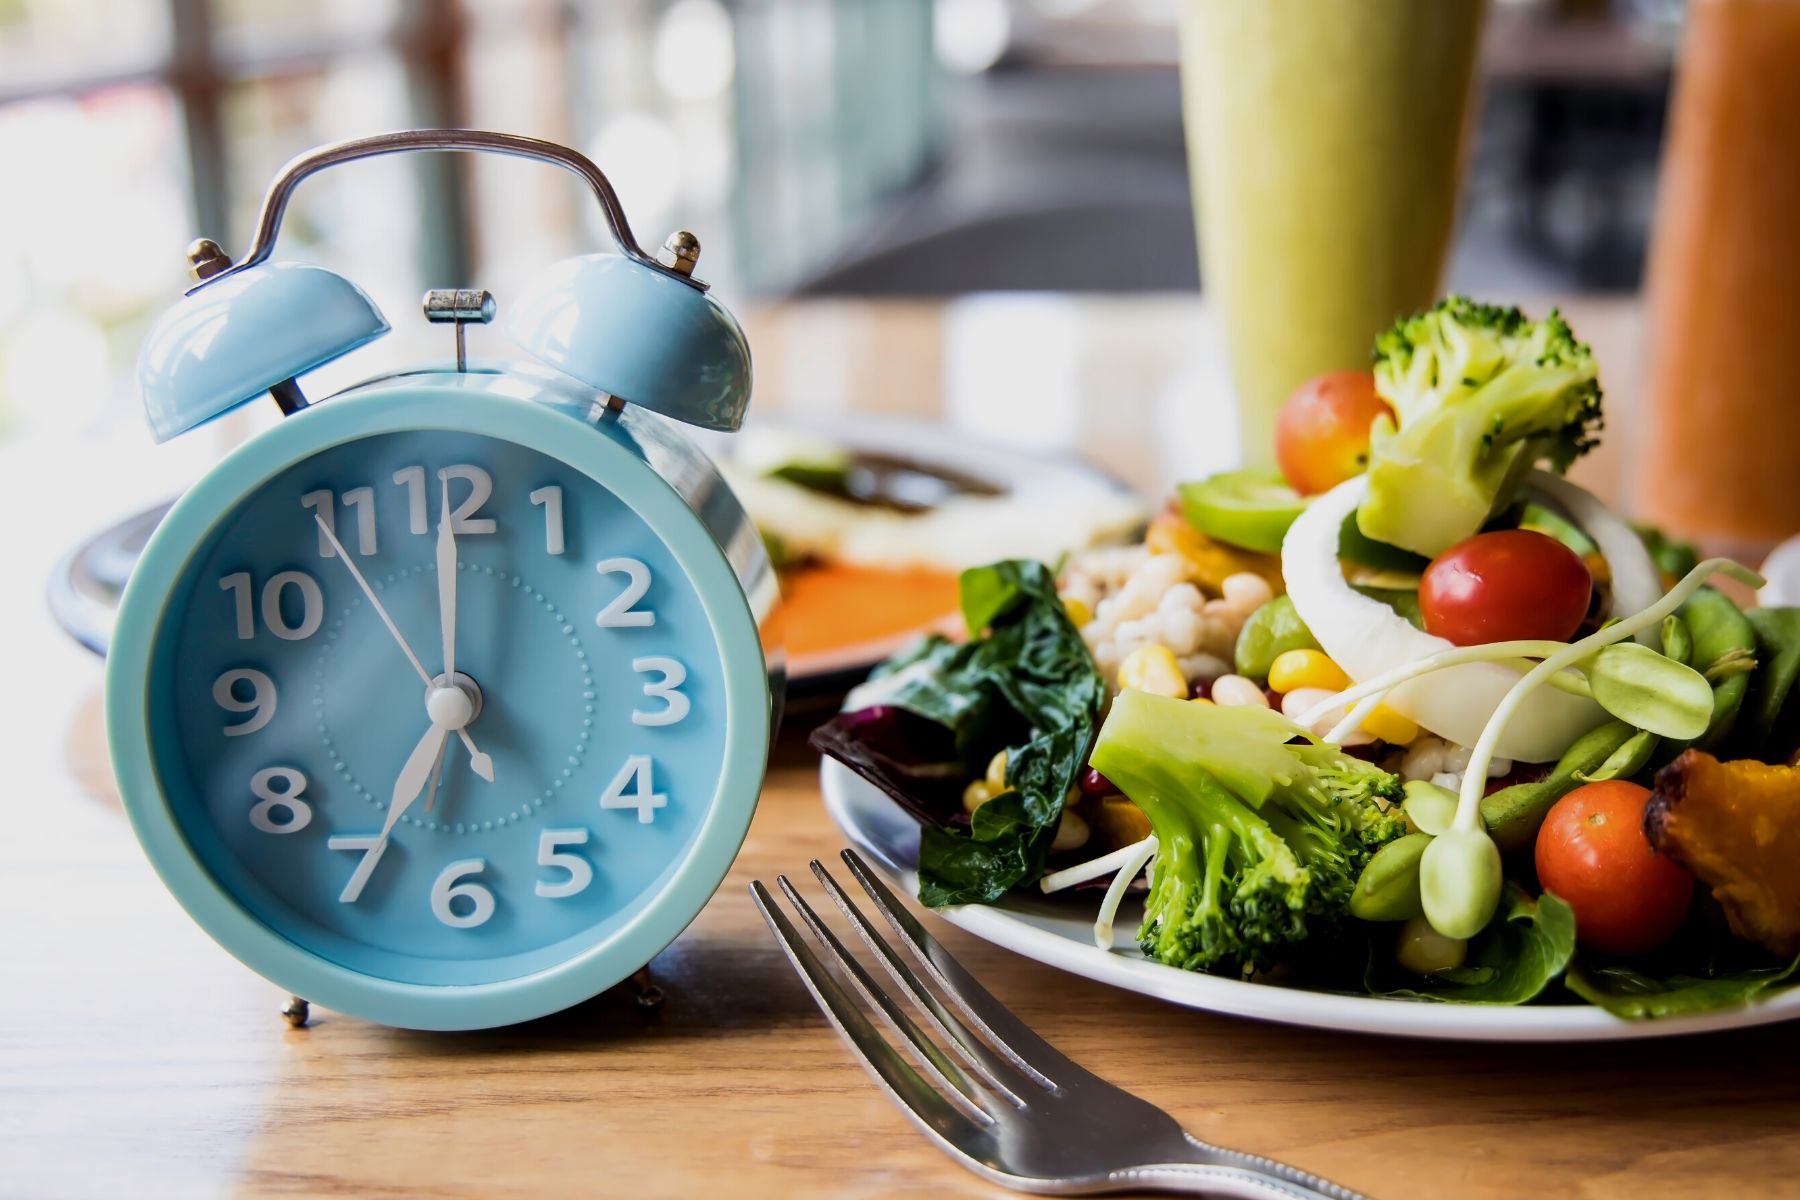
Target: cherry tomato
1501 586
1322 432
1592 852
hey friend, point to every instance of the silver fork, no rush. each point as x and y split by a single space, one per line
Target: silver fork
992 1094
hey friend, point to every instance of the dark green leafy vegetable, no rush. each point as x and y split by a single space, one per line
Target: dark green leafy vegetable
1673 558
1358 547
1525 948
1404 601
1271 631
1765 724
1024 683
1630 993
1723 641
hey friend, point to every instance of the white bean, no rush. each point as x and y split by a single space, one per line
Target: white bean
1246 591
1228 690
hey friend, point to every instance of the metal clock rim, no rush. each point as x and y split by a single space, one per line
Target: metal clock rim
428 1006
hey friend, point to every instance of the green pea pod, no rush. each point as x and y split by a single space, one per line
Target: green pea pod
1388 888
1514 813
1271 631
1723 642
1626 761
1677 642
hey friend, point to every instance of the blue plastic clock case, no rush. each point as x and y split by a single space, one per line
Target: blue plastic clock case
263 689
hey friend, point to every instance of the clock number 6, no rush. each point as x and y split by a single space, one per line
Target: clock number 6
448 889
667 689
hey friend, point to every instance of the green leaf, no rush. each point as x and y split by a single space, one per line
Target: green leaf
1629 993
1404 601
1024 683
1671 557
1358 547
1777 633
1528 944
1649 690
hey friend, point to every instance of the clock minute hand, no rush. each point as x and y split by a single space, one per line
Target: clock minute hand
369 592
446 583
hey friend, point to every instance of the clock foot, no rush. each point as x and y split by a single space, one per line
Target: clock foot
649 993
296 1012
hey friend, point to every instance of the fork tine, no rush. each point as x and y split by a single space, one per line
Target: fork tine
956 1084
1011 1036
993 1064
928 1108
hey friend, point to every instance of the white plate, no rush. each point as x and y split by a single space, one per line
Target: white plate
1060 933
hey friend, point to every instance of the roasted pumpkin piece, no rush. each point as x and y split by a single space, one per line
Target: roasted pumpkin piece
1736 826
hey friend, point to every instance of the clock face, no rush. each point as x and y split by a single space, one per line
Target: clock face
400 821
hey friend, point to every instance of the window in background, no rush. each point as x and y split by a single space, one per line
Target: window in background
774 128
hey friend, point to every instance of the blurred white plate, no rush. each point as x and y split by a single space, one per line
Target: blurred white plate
1059 932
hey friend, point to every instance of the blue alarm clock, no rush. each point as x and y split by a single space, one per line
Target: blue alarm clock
444 703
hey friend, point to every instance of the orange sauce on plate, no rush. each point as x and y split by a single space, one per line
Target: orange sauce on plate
838 606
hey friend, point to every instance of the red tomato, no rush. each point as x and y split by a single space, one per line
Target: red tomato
1506 585
1322 432
1592 852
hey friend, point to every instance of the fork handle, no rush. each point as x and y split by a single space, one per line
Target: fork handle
1237 1182
1217 1170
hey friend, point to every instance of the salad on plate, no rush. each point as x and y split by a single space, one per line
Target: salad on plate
1414 717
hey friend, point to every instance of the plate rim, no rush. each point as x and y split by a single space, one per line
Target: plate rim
1371 1015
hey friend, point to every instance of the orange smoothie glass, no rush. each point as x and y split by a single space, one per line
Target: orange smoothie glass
1719 444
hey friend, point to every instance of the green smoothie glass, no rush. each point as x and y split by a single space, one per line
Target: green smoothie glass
1325 141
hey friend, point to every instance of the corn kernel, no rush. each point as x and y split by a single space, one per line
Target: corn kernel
1390 726
1295 669
976 795
996 773
1228 690
1078 611
1153 669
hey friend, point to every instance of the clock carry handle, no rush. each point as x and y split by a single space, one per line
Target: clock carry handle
274 205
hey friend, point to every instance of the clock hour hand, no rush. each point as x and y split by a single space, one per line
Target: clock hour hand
413 775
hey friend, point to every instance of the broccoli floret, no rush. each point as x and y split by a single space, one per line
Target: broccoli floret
1481 394
1261 831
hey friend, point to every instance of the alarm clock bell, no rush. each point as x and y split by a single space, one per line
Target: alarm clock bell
640 331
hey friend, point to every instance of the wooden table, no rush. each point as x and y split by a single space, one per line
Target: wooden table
136 1059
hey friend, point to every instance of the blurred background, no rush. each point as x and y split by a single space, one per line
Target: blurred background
821 146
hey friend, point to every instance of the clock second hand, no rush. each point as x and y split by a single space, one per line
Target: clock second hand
483 765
